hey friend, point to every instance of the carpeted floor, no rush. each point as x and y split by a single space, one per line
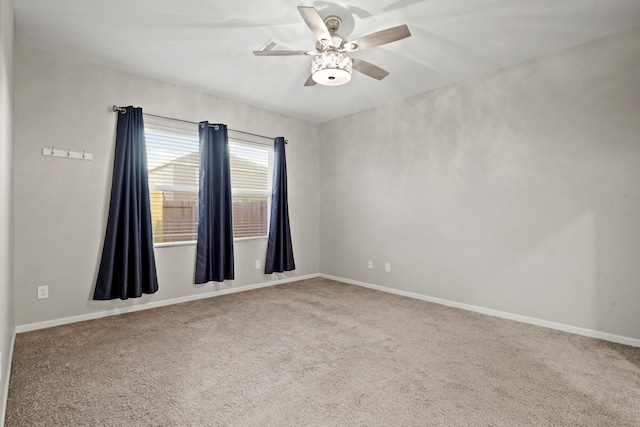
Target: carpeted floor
318 353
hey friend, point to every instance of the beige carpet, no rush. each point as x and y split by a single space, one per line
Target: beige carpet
318 353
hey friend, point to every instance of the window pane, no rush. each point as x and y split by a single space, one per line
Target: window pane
249 167
174 215
250 216
250 184
173 160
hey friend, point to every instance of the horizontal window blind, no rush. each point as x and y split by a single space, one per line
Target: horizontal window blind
173 161
250 176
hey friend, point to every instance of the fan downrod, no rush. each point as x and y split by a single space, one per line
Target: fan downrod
333 23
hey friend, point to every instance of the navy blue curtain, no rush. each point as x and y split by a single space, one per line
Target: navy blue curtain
214 251
128 267
279 248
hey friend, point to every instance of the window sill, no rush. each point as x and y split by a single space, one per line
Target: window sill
171 244
193 242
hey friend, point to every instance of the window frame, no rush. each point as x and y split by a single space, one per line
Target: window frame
175 126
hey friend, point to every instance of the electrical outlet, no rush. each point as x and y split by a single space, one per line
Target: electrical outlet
0 366
387 267
370 264
257 264
43 292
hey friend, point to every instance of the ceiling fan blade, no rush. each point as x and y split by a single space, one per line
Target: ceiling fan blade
379 38
315 22
369 69
282 52
310 81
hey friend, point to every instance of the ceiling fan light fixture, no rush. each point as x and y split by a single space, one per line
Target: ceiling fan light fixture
331 68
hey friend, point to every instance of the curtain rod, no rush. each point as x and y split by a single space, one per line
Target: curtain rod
123 110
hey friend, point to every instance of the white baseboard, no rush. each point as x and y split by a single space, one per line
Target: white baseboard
634 342
97 315
7 379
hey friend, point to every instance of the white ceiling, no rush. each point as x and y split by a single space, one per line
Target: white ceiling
207 45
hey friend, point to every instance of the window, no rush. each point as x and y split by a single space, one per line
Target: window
173 160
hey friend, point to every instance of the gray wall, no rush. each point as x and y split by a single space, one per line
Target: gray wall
518 191
7 324
61 205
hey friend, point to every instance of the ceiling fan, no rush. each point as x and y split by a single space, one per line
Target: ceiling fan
331 65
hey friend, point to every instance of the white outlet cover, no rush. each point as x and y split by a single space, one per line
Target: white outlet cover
257 264
43 292
387 267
